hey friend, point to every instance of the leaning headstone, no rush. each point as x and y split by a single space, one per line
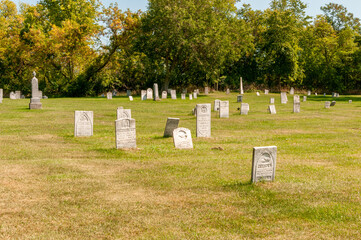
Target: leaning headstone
203 120
241 86
272 109
296 104
257 93
190 96
12 95
315 93
156 92
125 133
182 138
333 103
131 98
244 108
129 93
349 101
228 91
266 91
172 123
149 93
109 95
83 123
216 105
224 109
239 98
183 96
292 91
35 100
309 93
143 95
164 95
173 94
304 98
327 104
264 164
18 94
123 113
1 95
195 95
284 99
206 91
272 100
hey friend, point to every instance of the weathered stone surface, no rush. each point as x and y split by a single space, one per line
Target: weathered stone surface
83 123
309 93
129 93
216 104
224 109
203 120
190 97
18 94
182 138
272 101
327 104
272 109
292 91
239 98
324 94
284 99
266 91
156 92
123 113
333 94
315 93
257 93
35 94
206 90
109 95
195 95
173 94
333 103
1 95
228 91
131 98
125 133
244 108
164 95
149 93
296 98
183 96
296 104
264 164
172 123
115 92
349 101
12 95
241 86
143 95
304 98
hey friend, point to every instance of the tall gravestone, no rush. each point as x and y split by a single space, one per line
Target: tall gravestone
173 94
272 109
109 95
149 93
190 97
284 99
224 109
216 105
35 97
123 113
182 138
164 95
156 92
241 86
125 133
172 123
292 91
206 90
1 95
244 108
296 104
83 123
143 95
264 164
203 120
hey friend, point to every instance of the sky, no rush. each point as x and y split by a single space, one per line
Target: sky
313 9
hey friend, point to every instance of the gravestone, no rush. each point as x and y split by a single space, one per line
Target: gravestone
315 93
1 95
264 164
337 95
296 104
266 91
257 93
18 94
284 99
197 91
224 109
244 108
173 94
228 91
333 103
35 96
292 91
12 95
83 123
333 94
129 93
324 94
109 95
172 123
239 98
184 91
309 93
149 93
156 92
241 86
349 101
183 96
182 138
272 109
206 91
194 111
195 95
216 105
125 133
164 95
327 104
190 96
131 98
304 98
143 95
203 120
23 97
272 101
169 90
115 93
123 113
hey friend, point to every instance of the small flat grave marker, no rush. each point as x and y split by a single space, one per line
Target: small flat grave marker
333 103
257 93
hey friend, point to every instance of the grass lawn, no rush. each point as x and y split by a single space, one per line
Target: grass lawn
55 186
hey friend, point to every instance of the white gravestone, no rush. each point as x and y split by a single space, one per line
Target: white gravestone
266 91
257 93
190 97
35 95
195 95
123 113
149 93
172 123
125 134
241 86
296 104
309 93
327 104
349 101
18 94
156 92
203 120
182 138
272 109
206 90
272 101
244 108
224 109
173 94
183 96
83 122
1 95
284 99
164 95
304 98
292 91
315 93
264 164
143 95
109 95
216 105
228 91
131 98
12 95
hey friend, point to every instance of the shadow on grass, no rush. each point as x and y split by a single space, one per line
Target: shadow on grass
239 185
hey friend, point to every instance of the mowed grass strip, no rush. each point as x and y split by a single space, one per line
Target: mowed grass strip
55 186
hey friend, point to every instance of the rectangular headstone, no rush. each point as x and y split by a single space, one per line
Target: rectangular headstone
123 113
190 97
224 109
125 133
309 93
18 94
228 91
131 98
216 105
264 164
296 107
304 98
266 91
143 95
195 95
333 94
164 95
292 91
324 94
12 95
272 109
349 101
109 95
156 92
149 93
244 108
129 93
272 100
327 104
183 96
182 138
206 90
239 98
203 120
172 123
315 93
333 103
257 93
83 123
1 95
284 99
173 94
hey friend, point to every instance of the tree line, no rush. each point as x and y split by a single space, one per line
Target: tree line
81 48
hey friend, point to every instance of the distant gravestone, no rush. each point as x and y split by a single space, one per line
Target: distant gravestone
309 93
224 109
324 94
264 164
284 99
337 95
164 95
239 98
206 91
349 101
35 95
203 120
333 94
296 104
194 111
195 95
197 91
1 95
23 97
129 93
241 86
292 91
266 91
12 95
18 94
244 108
272 109
228 91
190 97
272 101
173 94
315 93
183 96
304 98
172 123
83 123
156 92
109 95
143 95
131 98
115 93
333 103
149 93
123 113
257 93
169 90
125 133
327 104
216 105
182 138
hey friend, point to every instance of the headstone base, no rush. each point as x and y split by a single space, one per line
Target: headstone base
35 103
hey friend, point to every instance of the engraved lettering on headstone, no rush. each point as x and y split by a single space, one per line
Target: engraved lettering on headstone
83 123
264 164
182 138
203 120
125 133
